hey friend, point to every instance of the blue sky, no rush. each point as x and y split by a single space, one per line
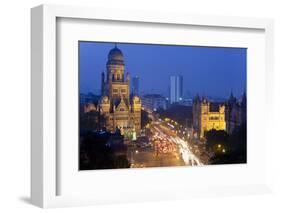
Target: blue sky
209 71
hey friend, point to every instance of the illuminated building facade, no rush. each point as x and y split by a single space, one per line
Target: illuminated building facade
207 116
119 109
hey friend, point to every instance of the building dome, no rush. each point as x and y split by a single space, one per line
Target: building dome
115 56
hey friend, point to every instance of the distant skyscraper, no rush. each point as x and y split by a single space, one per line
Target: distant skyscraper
135 86
176 88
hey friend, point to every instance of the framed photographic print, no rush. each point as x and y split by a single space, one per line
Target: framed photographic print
149 106
138 121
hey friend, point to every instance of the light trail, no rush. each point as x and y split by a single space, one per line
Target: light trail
188 157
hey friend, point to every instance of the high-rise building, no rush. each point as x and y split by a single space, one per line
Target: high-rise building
135 85
176 88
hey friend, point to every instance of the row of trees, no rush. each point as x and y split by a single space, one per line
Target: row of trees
91 120
181 114
228 149
99 151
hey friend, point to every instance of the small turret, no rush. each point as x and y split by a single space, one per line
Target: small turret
127 76
110 77
102 83
196 99
231 95
222 109
102 76
232 99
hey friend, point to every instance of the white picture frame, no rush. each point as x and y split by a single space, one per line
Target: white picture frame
44 154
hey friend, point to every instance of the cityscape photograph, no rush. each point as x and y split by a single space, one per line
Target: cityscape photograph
152 105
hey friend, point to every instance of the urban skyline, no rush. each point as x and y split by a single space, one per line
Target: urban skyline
221 70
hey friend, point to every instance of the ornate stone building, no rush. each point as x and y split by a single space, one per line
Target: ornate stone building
235 112
207 116
120 110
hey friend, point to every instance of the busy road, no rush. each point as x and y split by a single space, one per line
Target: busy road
167 135
165 145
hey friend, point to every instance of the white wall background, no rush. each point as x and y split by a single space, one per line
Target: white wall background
15 104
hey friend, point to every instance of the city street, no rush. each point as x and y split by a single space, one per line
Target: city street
166 149
158 128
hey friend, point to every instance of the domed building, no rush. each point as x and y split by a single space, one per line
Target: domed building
117 106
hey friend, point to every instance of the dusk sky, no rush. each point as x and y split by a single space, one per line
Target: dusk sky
209 71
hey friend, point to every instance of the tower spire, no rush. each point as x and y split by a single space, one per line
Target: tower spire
231 95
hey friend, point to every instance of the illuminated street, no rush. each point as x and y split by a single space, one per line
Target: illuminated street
167 148
188 157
